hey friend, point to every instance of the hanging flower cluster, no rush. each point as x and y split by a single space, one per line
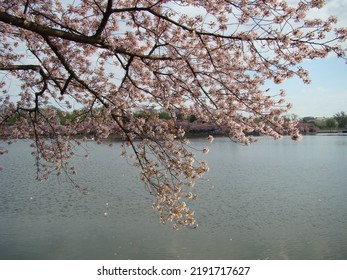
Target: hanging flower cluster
106 60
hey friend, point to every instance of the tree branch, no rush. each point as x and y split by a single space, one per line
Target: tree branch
20 67
105 18
46 31
33 67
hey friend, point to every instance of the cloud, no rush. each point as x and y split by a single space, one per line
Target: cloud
337 8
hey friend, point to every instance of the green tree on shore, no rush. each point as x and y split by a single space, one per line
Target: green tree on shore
331 124
341 119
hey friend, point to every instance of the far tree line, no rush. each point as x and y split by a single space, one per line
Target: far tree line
193 126
316 124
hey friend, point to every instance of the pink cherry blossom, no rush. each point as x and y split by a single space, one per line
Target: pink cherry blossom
113 65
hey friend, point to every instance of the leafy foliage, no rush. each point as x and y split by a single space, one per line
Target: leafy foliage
341 119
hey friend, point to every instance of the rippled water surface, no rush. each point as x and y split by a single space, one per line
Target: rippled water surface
271 200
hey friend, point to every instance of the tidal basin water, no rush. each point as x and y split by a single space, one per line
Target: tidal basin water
271 200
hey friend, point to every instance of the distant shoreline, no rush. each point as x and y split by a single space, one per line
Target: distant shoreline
189 135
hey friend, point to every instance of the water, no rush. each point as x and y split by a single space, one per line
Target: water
271 200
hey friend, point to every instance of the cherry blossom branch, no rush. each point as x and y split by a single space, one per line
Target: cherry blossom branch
122 62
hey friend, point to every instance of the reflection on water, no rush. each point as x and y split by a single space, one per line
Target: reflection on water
271 200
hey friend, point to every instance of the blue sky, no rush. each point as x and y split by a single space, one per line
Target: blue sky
327 93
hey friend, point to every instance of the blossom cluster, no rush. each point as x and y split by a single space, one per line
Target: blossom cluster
104 60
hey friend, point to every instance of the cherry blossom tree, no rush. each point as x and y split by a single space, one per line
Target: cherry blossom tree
108 59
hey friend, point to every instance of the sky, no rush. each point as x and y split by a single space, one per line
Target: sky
325 96
327 93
